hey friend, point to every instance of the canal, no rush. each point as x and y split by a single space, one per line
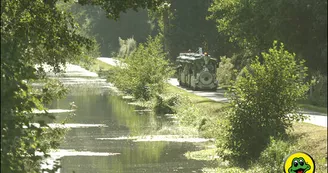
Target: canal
109 135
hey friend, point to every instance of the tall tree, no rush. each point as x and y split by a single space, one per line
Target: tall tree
301 25
37 32
184 26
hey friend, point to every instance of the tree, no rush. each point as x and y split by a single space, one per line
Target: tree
226 72
264 103
37 32
145 72
253 25
184 26
106 31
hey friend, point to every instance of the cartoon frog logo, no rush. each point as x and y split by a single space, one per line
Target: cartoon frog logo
299 162
299 166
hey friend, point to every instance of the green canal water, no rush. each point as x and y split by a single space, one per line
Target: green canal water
104 123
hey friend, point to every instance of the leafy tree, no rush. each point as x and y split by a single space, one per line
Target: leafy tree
253 25
226 72
264 104
114 8
37 32
145 72
184 26
318 92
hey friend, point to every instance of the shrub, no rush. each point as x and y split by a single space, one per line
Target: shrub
189 115
226 73
127 47
165 104
145 72
272 158
264 104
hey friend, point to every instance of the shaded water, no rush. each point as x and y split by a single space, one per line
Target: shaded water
115 119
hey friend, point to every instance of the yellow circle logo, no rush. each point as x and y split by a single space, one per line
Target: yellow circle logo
299 162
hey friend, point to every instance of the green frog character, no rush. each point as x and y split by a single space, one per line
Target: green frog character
299 166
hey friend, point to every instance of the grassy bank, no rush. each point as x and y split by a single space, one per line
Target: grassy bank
305 105
100 66
309 107
207 113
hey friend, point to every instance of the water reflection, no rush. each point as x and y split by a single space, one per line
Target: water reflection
99 107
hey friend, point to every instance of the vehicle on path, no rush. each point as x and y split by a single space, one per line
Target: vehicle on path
197 71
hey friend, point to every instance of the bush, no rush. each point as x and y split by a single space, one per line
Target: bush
127 47
272 158
145 72
165 104
189 115
264 104
226 73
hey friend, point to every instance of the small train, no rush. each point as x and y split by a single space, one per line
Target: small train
197 71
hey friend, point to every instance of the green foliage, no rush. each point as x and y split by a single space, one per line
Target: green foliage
264 104
301 25
318 92
106 31
37 32
206 154
160 15
21 139
145 72
272 158
226 72
164 104
184 26
127 47
189 115
32 32
114 8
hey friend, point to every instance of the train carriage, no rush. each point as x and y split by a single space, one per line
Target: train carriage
197 71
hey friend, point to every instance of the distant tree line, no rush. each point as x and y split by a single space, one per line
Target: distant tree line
239 30
232 28
107 31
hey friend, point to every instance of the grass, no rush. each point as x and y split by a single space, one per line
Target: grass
309 138
207 154
305 105
200 102
314 108
313 140
98 65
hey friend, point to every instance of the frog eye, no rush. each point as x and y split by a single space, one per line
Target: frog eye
295 163
301 162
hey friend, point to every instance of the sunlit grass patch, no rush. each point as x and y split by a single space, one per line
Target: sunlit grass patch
100 66
173 89
314 108
207 154
223 170
177 130
313 140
